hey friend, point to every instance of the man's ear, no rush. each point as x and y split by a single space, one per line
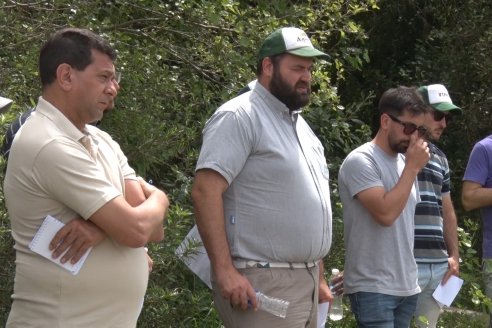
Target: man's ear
267 66
64 76
384 121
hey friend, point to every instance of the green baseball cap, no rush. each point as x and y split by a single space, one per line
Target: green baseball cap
289 40
437 96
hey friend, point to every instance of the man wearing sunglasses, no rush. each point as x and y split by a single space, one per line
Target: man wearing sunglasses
436 238
378 191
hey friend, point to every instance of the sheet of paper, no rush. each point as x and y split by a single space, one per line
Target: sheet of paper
444 295
194 255
41 241
322 314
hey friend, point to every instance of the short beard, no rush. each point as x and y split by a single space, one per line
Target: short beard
285 93
398 147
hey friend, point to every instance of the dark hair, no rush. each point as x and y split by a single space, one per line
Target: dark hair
275 60
397 100
70 46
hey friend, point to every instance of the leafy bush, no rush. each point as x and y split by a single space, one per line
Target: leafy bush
179 61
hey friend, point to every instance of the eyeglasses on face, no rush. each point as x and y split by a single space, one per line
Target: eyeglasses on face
117 77
106 78
438 116
409 128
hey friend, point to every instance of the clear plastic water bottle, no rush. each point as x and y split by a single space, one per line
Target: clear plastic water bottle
272 305
336 309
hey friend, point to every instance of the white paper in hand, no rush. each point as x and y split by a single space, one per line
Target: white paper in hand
444 295
41 241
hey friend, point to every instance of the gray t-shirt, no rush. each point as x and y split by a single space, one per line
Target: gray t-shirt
277 206
378 259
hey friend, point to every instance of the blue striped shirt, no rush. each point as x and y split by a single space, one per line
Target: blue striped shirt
434 181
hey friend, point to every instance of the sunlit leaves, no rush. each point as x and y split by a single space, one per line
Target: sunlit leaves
180 60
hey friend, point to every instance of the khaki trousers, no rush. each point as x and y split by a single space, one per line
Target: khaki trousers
298 286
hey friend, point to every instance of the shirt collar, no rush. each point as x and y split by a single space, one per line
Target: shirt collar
273 102
46 109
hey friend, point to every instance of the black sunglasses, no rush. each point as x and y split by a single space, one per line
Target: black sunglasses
409 128
440 115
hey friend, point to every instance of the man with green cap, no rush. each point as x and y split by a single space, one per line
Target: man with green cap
261 193
436 239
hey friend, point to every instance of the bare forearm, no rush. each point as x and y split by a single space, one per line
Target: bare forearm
396 199
132 226
478 197
154 212
207 192
451 240
209 217
386 206
135 196
450 227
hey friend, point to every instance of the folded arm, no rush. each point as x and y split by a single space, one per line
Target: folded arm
133 226
135 196
143 222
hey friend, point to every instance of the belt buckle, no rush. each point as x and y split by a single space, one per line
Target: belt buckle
263 266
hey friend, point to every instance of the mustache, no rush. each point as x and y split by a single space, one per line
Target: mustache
303 84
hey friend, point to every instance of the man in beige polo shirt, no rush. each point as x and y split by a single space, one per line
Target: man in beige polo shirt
63 167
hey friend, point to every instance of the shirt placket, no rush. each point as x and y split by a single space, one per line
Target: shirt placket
306 146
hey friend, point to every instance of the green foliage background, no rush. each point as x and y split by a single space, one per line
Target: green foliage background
181 59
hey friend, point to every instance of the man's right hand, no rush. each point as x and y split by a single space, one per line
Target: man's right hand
417 154
337 283
77 236
236 288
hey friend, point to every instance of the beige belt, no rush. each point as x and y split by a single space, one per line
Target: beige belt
244 264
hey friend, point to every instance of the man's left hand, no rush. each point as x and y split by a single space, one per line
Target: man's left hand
453 269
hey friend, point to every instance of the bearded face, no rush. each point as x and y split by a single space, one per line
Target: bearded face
291 81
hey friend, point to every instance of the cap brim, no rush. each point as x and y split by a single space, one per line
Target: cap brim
447 107
308 52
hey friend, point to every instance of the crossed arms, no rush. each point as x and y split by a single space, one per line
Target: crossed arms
132 221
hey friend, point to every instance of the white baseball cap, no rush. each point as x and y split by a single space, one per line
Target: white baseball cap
437 96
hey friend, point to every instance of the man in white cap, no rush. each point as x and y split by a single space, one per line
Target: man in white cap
436 238
261 193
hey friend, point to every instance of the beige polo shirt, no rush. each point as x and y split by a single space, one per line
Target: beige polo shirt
51 173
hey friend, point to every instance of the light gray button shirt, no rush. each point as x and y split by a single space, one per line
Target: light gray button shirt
277 207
